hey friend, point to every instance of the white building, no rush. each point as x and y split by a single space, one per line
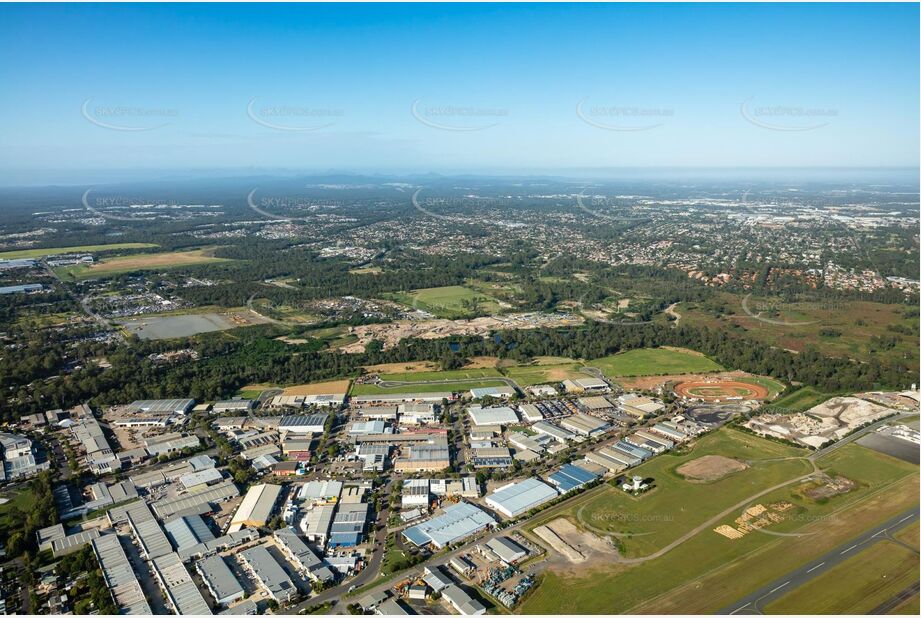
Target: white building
492 416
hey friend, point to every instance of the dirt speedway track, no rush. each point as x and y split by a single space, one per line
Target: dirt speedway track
721 390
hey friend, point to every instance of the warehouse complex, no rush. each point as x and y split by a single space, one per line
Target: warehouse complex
459 521
257 506
515 499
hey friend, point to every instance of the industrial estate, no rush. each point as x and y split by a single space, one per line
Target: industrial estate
459 309
462 502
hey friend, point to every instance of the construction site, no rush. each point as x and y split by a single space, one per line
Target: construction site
572 544
392 333
824 423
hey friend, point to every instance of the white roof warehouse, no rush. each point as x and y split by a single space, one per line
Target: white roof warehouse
257 506
516 498
311 423
492 416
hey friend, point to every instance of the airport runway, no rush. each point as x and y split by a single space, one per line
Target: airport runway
753 603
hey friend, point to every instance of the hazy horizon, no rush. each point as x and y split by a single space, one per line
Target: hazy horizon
455 87
11 179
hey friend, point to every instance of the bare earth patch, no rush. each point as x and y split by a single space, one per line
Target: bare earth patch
709 468
828 488
320 388
575 546
408 367
654 382
482 362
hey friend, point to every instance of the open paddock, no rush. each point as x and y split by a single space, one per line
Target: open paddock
38 253
140 262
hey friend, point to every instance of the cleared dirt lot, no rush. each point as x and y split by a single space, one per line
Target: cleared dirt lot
653 382
709 468
401 367
574 545
319 388
393 332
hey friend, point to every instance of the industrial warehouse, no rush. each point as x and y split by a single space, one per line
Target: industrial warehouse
310 518
457 522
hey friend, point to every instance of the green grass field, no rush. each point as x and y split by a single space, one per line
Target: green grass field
249 394
22 500
37 253
452 302
284 313
800 400
139 262
432 376
471 378
709 572
527 375
654 361
774 387
372 389
864 465
856 586
677 505
837 328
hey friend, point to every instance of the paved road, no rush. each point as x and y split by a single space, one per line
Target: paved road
891 604
370 574
395 384
249 305
755 602
267 395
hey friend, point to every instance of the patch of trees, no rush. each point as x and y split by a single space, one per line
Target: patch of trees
20 526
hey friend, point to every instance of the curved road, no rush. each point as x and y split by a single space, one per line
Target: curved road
371 572
249 305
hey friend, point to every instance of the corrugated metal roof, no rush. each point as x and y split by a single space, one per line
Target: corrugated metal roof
257 505
457 522
219 578
180 589
217 493
119 576
518 498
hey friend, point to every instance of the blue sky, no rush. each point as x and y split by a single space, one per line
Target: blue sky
495 87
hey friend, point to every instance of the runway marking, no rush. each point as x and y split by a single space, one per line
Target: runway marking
738 609
778 588
848 549
907 517
815 567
